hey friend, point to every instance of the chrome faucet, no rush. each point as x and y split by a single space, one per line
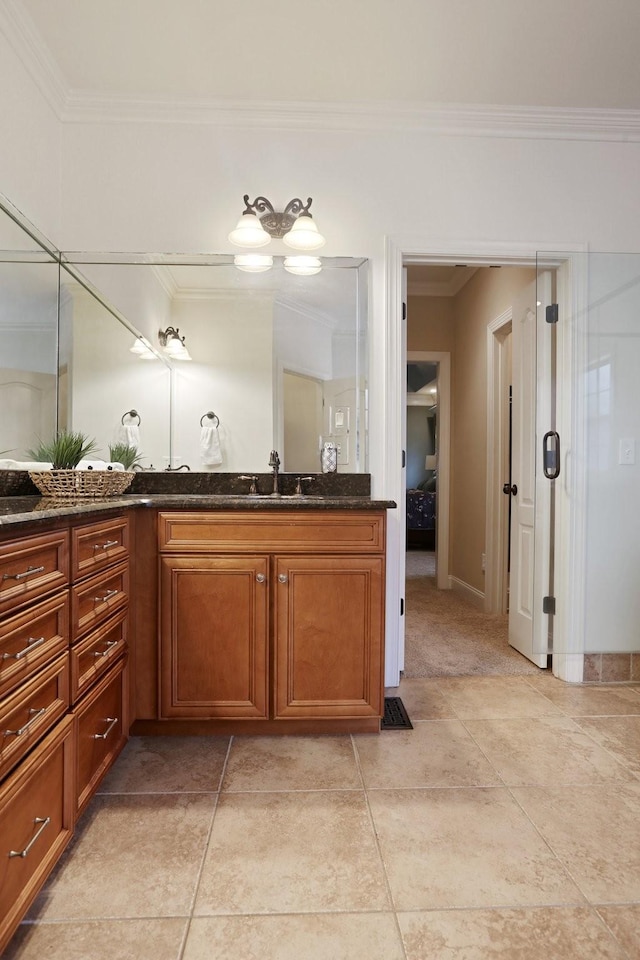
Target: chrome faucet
274 463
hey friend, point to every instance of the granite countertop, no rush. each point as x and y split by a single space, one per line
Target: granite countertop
15 510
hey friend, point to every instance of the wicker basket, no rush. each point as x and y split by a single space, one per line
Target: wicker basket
82 484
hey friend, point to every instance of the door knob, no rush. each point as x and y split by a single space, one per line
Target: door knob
509 489
282 577
260 577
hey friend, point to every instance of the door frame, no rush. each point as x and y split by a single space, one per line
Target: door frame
400 251
496 531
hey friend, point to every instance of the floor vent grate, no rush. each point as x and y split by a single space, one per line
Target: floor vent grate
395 716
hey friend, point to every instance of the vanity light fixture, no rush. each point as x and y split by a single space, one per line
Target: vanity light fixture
260 222
142 350
173 344
253 262
303 266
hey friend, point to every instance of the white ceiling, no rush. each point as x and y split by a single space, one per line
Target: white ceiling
546 53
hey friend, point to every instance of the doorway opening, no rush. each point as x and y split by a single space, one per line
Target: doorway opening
468 313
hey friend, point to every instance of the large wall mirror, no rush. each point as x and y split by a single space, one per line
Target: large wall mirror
280 359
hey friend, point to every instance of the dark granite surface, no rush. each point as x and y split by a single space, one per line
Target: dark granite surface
21 504
29 510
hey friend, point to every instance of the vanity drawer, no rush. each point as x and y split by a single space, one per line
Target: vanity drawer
102 729
32 567
31 639
94 600
326 531
92 657
31 711
98 545
36 823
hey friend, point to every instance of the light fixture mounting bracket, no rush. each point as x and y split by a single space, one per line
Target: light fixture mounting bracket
276 224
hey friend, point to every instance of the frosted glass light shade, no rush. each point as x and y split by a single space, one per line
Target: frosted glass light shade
253 262
138 346
304 235
249 232
303 266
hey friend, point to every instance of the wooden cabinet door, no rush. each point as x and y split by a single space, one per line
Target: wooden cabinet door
214 633
329 636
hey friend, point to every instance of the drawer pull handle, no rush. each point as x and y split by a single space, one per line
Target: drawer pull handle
106 545
103 736
32 643
260 577
283 578
44 822
106 596
33 716
107 649
29 572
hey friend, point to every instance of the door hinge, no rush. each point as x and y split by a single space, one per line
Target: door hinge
402 606
549 605
551 313
404 311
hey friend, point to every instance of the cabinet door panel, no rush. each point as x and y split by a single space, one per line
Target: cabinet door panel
214 636
329 622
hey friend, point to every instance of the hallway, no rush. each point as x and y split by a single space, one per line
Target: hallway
465 838
448 635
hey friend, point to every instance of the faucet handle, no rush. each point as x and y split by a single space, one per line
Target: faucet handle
299 484
252 488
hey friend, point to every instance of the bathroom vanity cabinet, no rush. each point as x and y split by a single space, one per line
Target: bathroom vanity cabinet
63 605
276 617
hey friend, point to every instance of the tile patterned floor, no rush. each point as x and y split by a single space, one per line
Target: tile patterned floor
504 826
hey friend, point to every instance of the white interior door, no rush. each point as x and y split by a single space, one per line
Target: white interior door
528 556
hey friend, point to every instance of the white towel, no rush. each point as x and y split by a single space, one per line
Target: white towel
99 465
129 433
24 465
210 452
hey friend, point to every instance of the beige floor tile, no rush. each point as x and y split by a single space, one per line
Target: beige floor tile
495 698
423 699
619 735
291 763
467 847
132 856
624 923
99 940
594 830
168 765
577 700
291 853
349 936
545 750
436 753
544 933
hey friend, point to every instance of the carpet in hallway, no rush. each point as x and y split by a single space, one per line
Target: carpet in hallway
447 635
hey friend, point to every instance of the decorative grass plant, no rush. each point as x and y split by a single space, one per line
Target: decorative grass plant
65 451
125 454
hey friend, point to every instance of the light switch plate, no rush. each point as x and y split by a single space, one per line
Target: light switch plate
627 451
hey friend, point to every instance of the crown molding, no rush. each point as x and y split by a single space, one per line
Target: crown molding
443 119
34 54
462 120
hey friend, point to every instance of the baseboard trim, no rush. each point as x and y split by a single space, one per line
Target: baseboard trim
474 596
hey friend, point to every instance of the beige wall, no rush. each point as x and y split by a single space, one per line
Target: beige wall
430 323
488 294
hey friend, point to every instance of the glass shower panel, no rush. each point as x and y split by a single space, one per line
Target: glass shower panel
609 382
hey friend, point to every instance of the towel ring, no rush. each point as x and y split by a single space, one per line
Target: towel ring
211 416
131 413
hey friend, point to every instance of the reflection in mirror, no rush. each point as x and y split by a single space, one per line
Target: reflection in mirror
101 381
28 334
280 359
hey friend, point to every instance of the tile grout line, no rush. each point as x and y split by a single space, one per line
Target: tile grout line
378 847
606 926
196 887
